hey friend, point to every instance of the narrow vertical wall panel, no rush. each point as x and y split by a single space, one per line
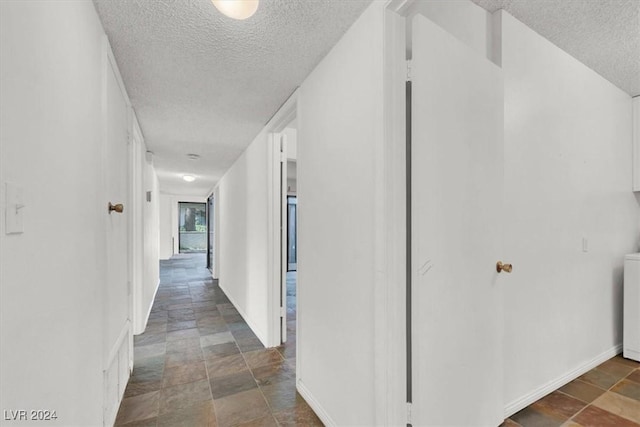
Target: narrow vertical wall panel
242 203
340 126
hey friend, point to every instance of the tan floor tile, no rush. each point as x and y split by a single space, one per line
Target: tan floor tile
634 376
632 363
241 408
265 357
615 368
267 421
599 378
184 373
531 417
593 416
219 338
301 415
184 395
582 390
559 404
138 408
201 415
630 389
149 422
277 372
182 345
137 388
619 405
282 395
226 365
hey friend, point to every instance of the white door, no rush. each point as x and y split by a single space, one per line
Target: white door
116 296
457 180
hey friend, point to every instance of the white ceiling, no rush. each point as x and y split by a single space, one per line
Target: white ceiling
203 83
602 34
206 84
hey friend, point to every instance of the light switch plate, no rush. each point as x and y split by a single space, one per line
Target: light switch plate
14 206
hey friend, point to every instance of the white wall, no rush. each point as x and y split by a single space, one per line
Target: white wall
568 177
241 200
291 135
465 20
169 221
166 226
339 127
151 233
52 275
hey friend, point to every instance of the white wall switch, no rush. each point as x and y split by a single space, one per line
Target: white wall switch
585 244
14 207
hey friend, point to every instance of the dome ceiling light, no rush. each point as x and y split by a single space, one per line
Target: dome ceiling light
189 178
236 9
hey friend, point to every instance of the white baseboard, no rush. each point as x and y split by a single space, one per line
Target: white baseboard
555 384
315 405
115 349
146 318
631 354
116 374
246 318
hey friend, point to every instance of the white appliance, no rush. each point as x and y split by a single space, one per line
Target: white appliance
631 335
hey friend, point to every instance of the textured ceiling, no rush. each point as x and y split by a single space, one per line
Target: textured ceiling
206 84
602 34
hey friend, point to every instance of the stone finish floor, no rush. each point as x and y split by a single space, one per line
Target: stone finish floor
199 364
606 396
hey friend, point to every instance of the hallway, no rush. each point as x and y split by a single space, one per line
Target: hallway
199 364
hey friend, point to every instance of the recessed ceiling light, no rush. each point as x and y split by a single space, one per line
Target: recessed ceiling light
192 156
189 178
237 9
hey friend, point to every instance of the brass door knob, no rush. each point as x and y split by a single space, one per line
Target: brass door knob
118 208
500 267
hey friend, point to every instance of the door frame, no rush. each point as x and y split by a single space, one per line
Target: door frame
210 230
289 196
276 244
206 210
391 253
136 235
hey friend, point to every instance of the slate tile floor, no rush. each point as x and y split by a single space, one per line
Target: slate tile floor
606 396
199 364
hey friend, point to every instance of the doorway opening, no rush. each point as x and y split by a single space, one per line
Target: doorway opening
210 234
292 227
285 235
192 233
290 223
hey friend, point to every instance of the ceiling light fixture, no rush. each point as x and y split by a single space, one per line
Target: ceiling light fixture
189 178
237 9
